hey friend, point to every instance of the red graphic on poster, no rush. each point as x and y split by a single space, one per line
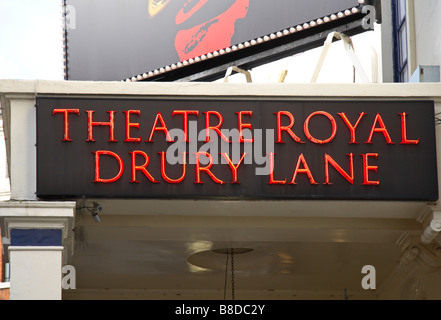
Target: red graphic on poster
183 14
211 35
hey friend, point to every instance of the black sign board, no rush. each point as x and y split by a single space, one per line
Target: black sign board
236 149
115 40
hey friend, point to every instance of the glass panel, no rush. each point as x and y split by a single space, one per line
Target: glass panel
401 10
403 45
404 75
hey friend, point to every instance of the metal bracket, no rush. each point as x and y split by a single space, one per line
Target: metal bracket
349 47
432 231
431 221
282 75
239 70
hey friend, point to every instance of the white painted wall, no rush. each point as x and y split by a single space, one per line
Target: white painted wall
5 191
23 149
428 32
35 273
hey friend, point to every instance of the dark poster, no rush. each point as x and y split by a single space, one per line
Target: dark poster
115 40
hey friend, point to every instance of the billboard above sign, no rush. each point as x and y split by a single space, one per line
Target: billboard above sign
170 40
236 149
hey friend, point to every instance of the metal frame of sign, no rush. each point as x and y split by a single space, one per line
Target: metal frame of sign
284 149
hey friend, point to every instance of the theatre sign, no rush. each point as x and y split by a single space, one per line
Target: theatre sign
236 149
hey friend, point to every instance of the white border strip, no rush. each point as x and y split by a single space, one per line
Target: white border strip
5 285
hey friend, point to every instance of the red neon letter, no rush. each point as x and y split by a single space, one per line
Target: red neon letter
329 160
185 113
110 124
141 168
232 166
404 131
287 128
130 125
66 120
367 168
98 179
244 126
163 128
351 127
333 123
215 128
304 170
164 175
271 163
382 130
206 169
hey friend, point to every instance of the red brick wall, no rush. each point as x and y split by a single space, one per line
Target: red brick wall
1 258
4 294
